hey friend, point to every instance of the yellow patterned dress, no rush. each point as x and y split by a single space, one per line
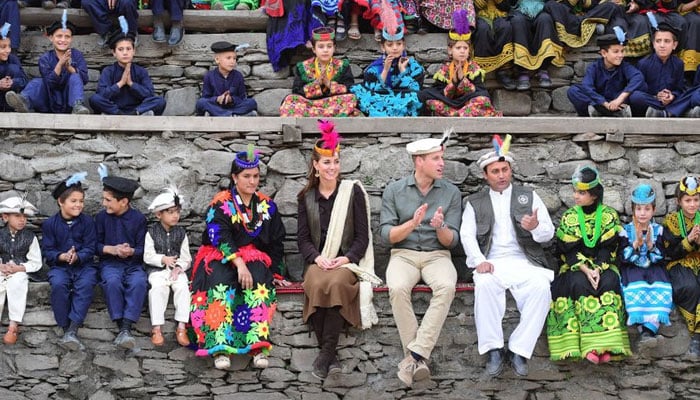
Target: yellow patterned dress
583 319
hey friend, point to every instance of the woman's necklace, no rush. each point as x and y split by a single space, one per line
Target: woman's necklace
681 222
590 242
251 219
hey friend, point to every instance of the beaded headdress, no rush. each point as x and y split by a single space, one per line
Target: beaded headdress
577 179
460 26
329 143
247 159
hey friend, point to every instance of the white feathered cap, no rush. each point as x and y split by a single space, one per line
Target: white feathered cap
17 205
430 145
169 198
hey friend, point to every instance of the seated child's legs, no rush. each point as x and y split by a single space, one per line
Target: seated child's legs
17 288
181 298
153 103
61 285
75 89
113 289
640 101
245 107
103 105
83 293
158 295
135 291
579 99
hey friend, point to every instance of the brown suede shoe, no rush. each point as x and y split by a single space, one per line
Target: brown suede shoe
157 337
11 335
181 336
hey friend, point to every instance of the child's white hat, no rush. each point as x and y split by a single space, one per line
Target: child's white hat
169 198
17 204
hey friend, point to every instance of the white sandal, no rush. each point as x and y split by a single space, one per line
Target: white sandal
222 362
260 361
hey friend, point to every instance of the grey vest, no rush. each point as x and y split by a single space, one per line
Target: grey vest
167 243
314 220
15 248
520 205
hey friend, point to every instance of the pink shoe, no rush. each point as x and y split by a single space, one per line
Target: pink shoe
593 357
605 357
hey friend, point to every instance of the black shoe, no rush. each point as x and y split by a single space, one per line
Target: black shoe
125 340
334 367
519 364
320 366
70 342
505 80
494 365
176 34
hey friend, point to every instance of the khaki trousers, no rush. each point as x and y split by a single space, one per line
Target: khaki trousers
406 268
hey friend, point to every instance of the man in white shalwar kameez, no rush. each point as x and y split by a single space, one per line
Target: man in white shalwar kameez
503 229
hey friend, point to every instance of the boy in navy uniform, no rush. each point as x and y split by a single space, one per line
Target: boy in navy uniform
124 87
608 82
64 73
12 75
9 13
121 232
664 76
223 93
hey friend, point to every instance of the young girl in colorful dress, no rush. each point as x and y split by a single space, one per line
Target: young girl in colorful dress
682 240
321 83
459 84
645 284
391 83
586 318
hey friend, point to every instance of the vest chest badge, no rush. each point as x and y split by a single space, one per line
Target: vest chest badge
522 199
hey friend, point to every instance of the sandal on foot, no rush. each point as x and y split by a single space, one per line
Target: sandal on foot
222 362
354 32
605 357
11 335
593 357
340 32
260 361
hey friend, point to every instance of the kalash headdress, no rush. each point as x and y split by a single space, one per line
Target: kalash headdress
329 143
247 159
121 34
62 24
643 194
17 204
689 185
663 26
123 186
392 29
168 199
429 145
75 180
323 33
460 26
578 182
5 31
500 152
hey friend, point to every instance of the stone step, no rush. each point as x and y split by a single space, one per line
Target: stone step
615 128
195 20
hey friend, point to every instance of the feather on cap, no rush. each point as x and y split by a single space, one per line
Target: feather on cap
392 29
501 150
75 180
429 145
169 198
247 159
17 204
329 143
5 30
121 34
63 23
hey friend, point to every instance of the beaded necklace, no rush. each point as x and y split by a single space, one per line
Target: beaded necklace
250 217
328 69
452 72
590 242
681 222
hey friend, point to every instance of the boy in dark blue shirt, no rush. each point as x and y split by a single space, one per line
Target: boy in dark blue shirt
664 77
608 82
12 76
121 233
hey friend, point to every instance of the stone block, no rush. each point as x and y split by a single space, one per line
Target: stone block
659 160
181 101
265 71
604 151
687 148
166 71
269 101
512 103
15 169
195 72
541 100
560 102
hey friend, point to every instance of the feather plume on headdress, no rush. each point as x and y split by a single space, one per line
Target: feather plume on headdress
446 135
620 34
123 25
242 46
250 151
175 192
5 30
329 143
388 17
652 20
501 146
460 26
76 178
102 171
64 19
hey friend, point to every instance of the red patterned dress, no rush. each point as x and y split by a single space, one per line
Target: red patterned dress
452 98
310 99
224 318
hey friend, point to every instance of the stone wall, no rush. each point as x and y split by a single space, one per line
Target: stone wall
199 163
177 72
37 368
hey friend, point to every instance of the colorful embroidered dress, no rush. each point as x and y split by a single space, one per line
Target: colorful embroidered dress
224 318
684 266
310 99
582 319
395 97
468 98
645 283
